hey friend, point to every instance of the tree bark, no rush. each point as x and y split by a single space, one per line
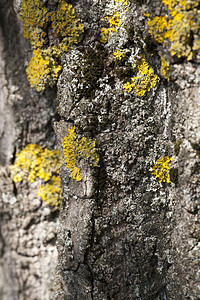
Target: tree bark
120 234
28 227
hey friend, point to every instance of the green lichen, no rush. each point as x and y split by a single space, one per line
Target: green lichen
177 147
35 162
181 29
76 149
64 29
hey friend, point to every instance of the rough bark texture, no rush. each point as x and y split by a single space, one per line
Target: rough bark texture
28 227
121 234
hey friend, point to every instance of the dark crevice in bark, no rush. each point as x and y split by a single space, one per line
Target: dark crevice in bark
14 189
2 241
26 255
14 155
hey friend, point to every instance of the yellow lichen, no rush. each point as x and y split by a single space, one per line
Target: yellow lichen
177 5
156 27
164 67
124 2
75 149
70 145
51 192
34 16
44 67
119 54
145 79
37 37
182 28
66 24
35 162
114 20
104 35
161 169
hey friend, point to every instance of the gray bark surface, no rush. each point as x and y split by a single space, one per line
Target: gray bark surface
27 226
120 234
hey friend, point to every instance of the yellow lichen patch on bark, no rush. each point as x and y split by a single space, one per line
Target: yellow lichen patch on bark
113 19
35 162
75 149
181 29
161 169
43 69
145 79
164 67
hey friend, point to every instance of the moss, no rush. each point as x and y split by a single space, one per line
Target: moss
140 2
92 70
124 73
177 147
135 36
93 67
173 173
131 33
150 45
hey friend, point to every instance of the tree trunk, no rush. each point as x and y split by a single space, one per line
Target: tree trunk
120 233
28 227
